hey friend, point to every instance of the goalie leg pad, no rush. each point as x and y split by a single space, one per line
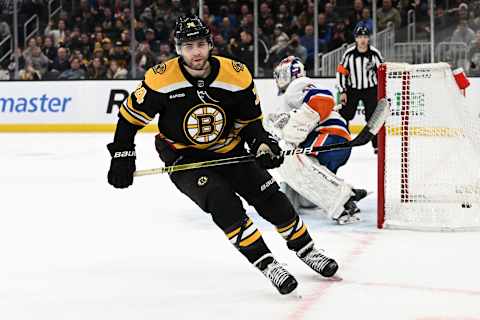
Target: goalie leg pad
316 183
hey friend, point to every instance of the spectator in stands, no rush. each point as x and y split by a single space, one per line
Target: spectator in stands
166 50
49 50
116 71
247 22
107 48
296 49
279 31
125 37
463 33
324 32
357 13
265 11
139 30
96 70
387 14
339 38
144 58
331 16
12 64
38 61
4 28
162 33
366 20
4 72
29 73
268 28
84 45
119 54
243 51
107 22
306 17
75 72
31 44
160 8
474 56
278 51
226 29
147 17
308 41
151 40
462 12
58 34
60 63
220 46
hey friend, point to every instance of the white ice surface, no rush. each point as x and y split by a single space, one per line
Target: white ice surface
73 247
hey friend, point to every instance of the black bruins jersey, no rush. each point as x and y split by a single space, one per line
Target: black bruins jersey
204 116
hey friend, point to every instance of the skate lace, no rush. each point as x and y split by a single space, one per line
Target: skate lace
276 273
316 260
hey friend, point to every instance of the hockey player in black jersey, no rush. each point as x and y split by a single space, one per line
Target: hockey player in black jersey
208 108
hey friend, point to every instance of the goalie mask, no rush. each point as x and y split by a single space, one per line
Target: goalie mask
189 28
286 71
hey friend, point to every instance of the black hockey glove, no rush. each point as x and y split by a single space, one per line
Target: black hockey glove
122 165
267 152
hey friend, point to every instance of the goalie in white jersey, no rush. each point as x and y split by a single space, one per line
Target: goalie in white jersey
307 118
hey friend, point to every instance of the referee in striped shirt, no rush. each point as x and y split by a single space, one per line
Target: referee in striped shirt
357 77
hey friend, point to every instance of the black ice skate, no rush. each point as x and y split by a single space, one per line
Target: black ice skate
317 261
359 194
350 213
277 274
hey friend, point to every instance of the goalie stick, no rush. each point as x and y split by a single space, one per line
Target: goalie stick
372 127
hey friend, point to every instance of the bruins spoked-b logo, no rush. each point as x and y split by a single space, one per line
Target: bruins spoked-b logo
238 66
204 123
159 68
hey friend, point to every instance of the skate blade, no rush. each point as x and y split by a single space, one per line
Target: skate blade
335 278
349 220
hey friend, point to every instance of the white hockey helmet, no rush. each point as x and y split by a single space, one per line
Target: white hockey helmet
297 90
288 70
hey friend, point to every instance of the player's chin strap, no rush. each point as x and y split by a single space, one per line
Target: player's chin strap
368 132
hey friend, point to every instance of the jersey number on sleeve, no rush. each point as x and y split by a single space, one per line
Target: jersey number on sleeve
140 94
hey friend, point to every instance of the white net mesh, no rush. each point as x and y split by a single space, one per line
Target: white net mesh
432 151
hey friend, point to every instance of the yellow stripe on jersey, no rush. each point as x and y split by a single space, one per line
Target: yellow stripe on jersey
164 75
298 233
293 230
139 116
244 235
129 105
232 75
129 117
233 233
287 227
251 239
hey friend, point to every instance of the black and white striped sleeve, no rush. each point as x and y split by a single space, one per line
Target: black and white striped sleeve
342 72
377 56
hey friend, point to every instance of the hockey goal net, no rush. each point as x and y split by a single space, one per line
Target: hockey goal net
429 151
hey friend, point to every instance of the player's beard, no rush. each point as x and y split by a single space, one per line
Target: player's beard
197 65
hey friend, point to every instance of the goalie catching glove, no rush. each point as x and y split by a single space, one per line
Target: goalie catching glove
122 165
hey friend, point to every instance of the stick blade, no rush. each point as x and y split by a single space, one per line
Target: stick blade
379 116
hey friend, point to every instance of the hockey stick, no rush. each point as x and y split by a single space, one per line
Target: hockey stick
365 136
